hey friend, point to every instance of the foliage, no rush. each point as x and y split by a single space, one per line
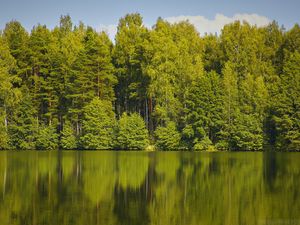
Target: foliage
47 138
235 91
167 137
98 125
131 133
68 138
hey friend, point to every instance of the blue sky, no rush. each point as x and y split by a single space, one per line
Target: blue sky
104 14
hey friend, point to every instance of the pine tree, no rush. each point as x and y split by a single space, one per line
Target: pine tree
98 125
23 123
8 94
128 59
287 105
131 133
167 137
68 138
203 111
46 138
17 38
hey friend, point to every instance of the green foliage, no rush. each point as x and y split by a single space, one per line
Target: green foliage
203 118
3 132
167 137
287 107
98 125
68 138
204 144
235 91
23 124
131 133
246 134
47 138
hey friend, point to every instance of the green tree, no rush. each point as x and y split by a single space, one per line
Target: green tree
287 105
98 125
68 138
128 59
23 123
167 137
47 138
93 73
63 55
17 39
3 133
9 95
204 115
131 133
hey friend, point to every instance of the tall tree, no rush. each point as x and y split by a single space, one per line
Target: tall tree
17 38
204 115
23 123
9 96
131 133
98 125
287 106
128 59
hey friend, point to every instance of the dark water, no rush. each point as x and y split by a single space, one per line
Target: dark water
136 188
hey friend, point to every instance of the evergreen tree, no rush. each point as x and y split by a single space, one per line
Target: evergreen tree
98 125
203 111
9 95
287 105
68 138
23 123
167 137
4 139
17 38
47 138
131 133
128 57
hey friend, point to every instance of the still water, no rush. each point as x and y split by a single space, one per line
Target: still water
136 188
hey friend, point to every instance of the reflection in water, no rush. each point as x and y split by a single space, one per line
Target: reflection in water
136 188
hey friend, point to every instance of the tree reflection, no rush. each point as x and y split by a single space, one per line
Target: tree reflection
148 188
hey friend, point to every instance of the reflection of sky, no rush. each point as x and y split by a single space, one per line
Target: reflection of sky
97 13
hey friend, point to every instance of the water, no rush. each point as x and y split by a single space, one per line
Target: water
136 188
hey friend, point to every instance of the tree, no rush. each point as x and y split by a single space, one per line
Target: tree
247 133
203 118
4 139
41 82
167 137
128 59
98 125
287 105
17 38
93 73
47 138
131 133
68 138
230 106
8 94
23 124
63 55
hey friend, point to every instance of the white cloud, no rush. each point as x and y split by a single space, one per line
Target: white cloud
204 25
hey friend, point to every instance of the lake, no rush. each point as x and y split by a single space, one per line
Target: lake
161 188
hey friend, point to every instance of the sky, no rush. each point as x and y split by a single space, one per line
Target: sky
207 15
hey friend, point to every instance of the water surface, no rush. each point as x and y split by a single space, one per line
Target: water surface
161 188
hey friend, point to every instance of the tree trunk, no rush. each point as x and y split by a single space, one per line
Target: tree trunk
5 118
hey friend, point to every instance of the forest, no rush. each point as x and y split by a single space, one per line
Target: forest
161 88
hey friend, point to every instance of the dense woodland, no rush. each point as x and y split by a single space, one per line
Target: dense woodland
168 87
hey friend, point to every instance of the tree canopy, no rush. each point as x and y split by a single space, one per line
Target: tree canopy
72 87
